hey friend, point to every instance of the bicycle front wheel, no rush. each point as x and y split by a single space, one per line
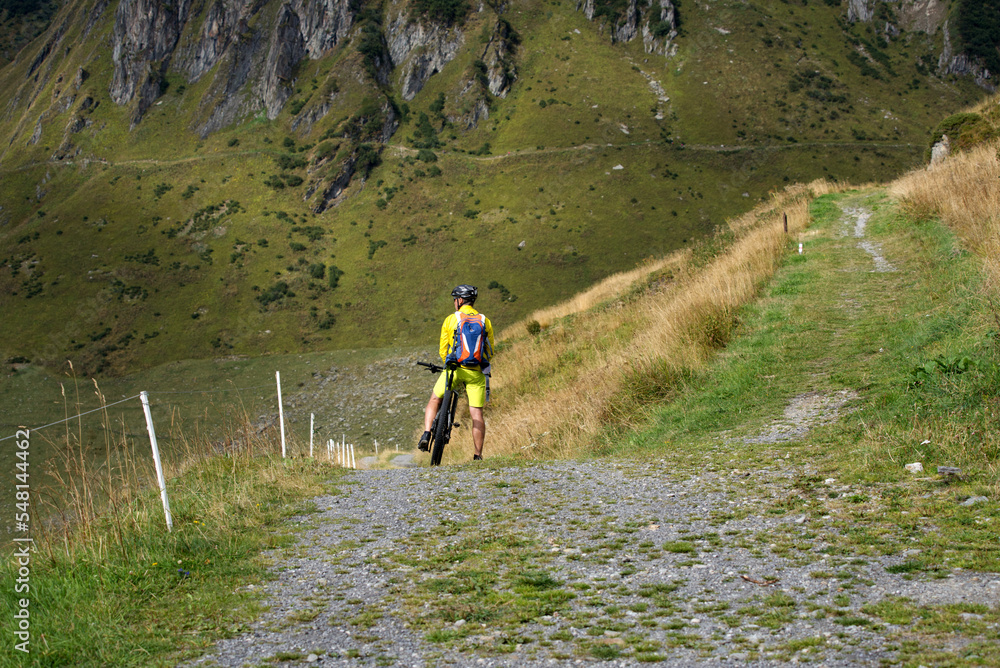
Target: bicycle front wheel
441 428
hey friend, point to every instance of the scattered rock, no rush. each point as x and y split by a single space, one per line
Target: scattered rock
915 467
974 500
941 150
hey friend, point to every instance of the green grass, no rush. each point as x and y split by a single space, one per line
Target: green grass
828 323
496 579
202 296
149 597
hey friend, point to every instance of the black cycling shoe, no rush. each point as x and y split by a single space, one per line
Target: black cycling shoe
425 440
477 457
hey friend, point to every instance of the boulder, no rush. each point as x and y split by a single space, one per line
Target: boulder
941 150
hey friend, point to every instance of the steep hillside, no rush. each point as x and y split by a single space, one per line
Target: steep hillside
20 22
197 179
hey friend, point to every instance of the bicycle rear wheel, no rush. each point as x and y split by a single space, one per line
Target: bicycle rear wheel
441 428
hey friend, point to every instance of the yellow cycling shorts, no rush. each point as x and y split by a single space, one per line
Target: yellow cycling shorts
473 380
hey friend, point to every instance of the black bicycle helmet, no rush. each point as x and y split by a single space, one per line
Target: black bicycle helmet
466 293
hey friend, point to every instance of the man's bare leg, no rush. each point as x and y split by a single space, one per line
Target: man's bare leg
431 411
478 429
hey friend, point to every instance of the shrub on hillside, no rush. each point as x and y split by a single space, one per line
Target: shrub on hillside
288 162
425 136
445 12
275 293
335 274
327 321
612 9
372 46
325 151
368 158
964 131
374 246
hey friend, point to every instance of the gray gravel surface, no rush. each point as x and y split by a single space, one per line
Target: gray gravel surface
650 564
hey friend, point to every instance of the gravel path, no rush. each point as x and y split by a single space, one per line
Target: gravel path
627 562
635 562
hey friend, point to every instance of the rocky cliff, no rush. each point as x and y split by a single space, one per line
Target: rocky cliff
145 34
890 17
962 64
654 20
420 49
251 51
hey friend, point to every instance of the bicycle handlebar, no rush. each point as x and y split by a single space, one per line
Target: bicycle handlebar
433 368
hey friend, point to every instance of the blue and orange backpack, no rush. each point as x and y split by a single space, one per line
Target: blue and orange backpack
471 346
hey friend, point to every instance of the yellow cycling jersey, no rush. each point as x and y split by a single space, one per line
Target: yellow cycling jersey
448 331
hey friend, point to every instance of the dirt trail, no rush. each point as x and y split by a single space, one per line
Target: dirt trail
629 562
652 565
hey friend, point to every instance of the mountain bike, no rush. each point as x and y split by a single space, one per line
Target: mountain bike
445 418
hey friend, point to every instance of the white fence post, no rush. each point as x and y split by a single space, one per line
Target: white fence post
281 414
312 421
354 463
156 459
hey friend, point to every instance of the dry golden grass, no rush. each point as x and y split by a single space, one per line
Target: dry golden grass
989 108
604 356
96 505
611 287
964 190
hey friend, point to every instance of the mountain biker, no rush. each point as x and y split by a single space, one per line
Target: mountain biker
471 376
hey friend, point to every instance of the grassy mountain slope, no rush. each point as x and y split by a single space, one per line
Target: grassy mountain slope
134 247
20 22
886 363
